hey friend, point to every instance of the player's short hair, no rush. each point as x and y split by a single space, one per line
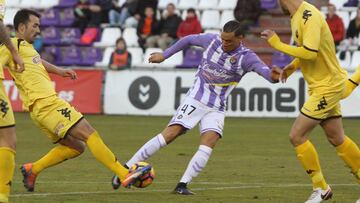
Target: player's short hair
235 27
23 16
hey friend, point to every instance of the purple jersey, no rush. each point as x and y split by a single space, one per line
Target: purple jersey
219 72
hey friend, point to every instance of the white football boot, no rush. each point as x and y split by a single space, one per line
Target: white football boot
318 195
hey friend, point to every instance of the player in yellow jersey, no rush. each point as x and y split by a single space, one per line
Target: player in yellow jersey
315 55
7 121
61 122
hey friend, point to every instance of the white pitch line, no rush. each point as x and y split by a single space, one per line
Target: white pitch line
167 190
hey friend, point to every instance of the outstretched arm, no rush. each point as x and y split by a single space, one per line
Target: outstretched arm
202 40
251 62
50 68
297 52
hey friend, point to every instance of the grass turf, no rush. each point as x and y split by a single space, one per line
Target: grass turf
254 162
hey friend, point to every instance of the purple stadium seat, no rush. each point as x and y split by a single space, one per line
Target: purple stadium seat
69 56
280 59
50 17
351 3
70 36
192 58
51 36
67 3
67 17
51 54
90 55
268 4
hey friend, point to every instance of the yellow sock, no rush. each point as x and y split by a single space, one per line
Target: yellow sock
308 157
352 83
55 156
350 153
103 154
7 166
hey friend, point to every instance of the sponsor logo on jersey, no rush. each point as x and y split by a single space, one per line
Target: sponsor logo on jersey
306 15
36 60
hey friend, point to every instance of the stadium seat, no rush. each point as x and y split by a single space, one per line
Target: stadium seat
67 3
353 15
268 4
108 37
70 56
192 58
280 59
105 57
12 4
145 62
29 4
44 4
210 19
345 17
51 36
344 62
173 61
185 4
226 16
355 60
213 31
9 15
67 17
208 4
70 36
131 37
352 3
227 4
136 56
50 17
89 56
338 3
163 3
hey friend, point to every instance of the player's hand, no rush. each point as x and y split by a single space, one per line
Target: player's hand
156 57
267 34
18 62
283 76
69 73
275 73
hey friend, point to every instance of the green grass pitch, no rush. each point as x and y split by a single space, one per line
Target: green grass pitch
254 162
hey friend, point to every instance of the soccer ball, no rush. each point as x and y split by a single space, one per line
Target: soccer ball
146 179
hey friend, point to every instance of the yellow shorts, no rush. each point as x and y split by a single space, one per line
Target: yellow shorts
323 106
6 113
54 116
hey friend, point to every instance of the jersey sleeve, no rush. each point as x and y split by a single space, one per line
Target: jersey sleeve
2 9
252 63
202 40
311 29
5 56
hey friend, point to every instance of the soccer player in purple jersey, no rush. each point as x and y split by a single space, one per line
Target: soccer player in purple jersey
225 61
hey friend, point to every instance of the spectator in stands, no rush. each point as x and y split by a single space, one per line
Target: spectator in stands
168 28
191 25
247 12
354 27
148 26
10 30
118 15
105 7
140 12
336 24
84 15
120 58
